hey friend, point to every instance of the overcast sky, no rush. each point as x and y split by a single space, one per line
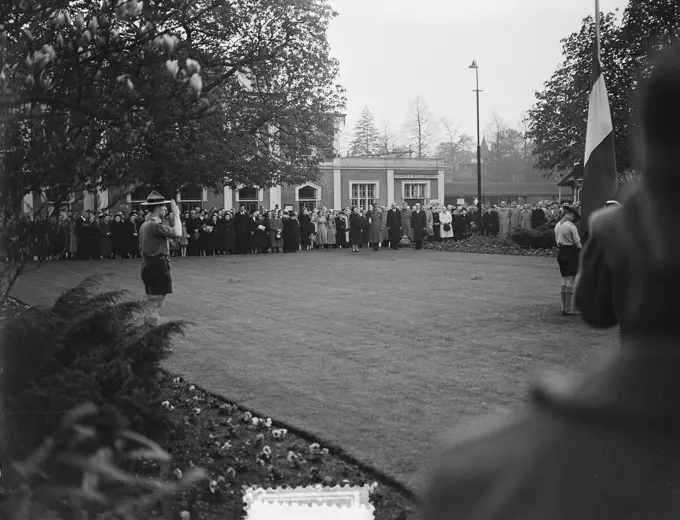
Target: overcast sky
391 51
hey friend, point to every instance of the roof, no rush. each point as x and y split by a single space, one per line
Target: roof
576 174
518 189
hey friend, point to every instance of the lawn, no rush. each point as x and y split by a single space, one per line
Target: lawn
378 353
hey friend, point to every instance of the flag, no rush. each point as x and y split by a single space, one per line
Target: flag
599 171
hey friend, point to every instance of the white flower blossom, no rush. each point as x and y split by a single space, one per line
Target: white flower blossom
79 22
196 83
267 451
192 388
213 486
94 24
192 66
130 85
165 404
178 473
185 515
170 41
197 411
60 40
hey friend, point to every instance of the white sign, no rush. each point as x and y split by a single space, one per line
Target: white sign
288 208
461 201
476 201
416 176
435 201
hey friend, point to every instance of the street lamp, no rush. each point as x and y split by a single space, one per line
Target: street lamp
479 151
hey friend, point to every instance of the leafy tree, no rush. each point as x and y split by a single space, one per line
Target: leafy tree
455 149
507 158
421 130
558 119
125 92
367 139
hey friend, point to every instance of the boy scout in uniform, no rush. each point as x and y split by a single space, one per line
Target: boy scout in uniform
604 445
154 246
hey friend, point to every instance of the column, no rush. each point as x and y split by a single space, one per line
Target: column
440 185
275 197
103 199
390 188
337 189
228 198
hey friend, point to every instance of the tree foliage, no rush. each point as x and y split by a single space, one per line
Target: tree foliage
165 93
559 116
366 140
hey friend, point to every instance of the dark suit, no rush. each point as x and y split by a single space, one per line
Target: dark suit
394 227
241 233
418 222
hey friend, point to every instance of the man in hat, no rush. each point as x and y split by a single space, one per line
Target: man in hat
569 244
155 249
602 445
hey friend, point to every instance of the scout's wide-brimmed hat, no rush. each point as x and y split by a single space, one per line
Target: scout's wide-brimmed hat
155 199
574 210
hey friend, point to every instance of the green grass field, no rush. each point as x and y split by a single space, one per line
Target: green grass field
378 353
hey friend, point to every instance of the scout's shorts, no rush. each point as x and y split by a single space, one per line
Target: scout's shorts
567 258
156 275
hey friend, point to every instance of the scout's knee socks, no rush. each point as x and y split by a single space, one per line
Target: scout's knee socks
569 301
563 294
154 304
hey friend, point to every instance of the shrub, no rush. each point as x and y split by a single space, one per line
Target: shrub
88 346
541 238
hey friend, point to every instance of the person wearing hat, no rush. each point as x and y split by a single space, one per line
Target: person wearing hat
154 246
605 444
569 244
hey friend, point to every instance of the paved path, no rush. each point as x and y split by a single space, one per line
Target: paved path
376 352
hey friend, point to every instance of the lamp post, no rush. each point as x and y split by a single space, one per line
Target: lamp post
479 151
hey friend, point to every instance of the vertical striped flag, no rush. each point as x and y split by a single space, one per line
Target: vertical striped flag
599 170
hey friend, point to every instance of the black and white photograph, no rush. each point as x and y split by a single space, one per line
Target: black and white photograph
421 251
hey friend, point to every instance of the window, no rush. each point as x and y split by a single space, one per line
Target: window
307 196
249 197
191 197
52 197
363 194
416 191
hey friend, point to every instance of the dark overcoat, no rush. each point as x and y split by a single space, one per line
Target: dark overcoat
418 223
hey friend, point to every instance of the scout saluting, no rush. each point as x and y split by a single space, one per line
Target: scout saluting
569 244
155 248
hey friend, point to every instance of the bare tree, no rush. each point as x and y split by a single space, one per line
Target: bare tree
387 141
421 131
450 140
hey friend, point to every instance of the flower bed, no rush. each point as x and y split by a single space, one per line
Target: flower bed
488 245
240 450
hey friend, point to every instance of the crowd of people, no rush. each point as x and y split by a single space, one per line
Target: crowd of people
100 235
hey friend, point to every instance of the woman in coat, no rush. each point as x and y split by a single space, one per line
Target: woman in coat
364 228
131 240
355 231
341 225
375 229
118 237
330 219
275 231
262 234
446 221
72 238
105 237
321 230
306 229
406 222
291 233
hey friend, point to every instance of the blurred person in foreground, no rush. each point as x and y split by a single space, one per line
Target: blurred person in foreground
604 445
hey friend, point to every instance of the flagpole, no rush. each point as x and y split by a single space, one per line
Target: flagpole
597 27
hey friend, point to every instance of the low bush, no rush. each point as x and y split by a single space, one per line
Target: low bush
488 245
540 238
89 346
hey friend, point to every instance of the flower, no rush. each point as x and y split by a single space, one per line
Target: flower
192 388
231 472
185 515
247 416
268 422
197 411
213 486
172 67
196 83
165 404
192 66
255 421
266 451
178 473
